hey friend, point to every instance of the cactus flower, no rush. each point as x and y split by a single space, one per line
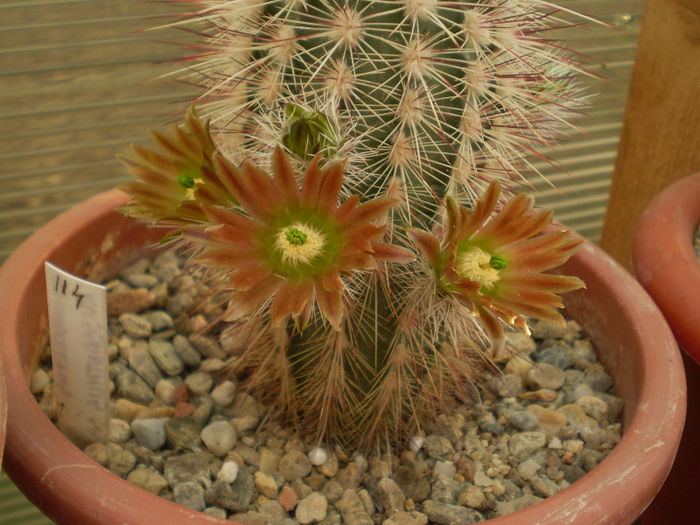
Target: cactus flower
288 247
495 262
174 183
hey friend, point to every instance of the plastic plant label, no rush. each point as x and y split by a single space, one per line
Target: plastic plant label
78 331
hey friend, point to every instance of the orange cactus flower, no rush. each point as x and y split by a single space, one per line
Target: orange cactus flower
495 263
288 247
174 183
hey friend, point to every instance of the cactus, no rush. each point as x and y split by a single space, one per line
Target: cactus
338 197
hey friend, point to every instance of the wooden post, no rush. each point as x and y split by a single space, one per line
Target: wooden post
660 139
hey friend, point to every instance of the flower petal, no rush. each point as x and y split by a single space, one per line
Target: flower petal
238 187
284 176
261 186
330 187
347 207
290 299
312 183
244 302
428 245
224 257
482 211
248 276
392 253
493 328
370 210
330 304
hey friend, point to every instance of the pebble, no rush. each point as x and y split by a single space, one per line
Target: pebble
545 376
186 352
219 437
472 497
228 472
406 518
148 478
165 391
149 432
207 346
548 420
352 510
312 509
224 393
129 301
438 446
317 456
189 494
119 460
293 465
141 280
182 433
125 409
163 353
448 514
524 444
288 498
597 378
528 468
330 467
199 382
391 496
142 363
266 485
130 385
594 407
135 325
119 430
40 380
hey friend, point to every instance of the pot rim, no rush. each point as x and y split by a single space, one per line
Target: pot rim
665 262
44 464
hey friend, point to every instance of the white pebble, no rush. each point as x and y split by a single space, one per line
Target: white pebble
228 472
416 443
39 381
317 456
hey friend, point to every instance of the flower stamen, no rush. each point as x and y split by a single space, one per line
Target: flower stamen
299 243
480 266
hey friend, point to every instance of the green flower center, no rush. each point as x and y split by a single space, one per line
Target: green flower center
480 266
299 243
295 236
186 180
189 180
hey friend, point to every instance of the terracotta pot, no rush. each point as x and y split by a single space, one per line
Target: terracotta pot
632 337
666 265
665 262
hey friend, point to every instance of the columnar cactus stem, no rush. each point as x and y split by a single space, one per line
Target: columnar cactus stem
381 123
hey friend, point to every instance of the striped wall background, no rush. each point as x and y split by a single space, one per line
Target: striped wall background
76 87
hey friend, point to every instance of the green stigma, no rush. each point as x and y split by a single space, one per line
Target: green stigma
295 236
186 180
498 262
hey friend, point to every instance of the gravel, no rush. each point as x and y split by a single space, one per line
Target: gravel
180 428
